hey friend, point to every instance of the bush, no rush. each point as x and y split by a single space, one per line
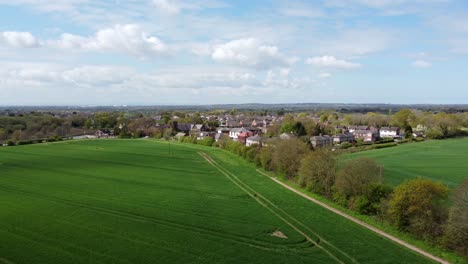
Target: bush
417 207
25 142
207 141
10 143
386 145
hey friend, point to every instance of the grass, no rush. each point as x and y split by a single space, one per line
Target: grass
445 161
145 201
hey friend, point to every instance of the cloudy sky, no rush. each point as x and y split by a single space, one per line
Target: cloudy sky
150 52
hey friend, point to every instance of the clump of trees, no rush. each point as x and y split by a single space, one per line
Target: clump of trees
417 206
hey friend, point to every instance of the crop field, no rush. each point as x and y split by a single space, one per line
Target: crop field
445 161
145 201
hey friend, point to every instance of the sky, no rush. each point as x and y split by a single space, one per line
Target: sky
164 52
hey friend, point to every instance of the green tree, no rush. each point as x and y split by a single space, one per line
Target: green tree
317 172
416 207
287 156
2 134
16 136
456 229
356 176
403 118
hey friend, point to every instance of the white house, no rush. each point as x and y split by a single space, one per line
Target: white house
389 132
234 133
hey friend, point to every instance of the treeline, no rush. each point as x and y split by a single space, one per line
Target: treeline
417 206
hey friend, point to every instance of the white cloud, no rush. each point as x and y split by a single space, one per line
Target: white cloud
422 64
129 39
324 75
332 62
356 42
47 5
250 52
302 12
174 7
167 6
18 39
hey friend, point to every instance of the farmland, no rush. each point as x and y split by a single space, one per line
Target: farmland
445 161
144 201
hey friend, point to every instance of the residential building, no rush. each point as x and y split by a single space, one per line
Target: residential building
321 141
389 132
253 140
343 137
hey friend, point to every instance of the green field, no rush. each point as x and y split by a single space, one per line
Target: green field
445 161
144 201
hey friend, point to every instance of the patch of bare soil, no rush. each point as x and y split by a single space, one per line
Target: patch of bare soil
279 234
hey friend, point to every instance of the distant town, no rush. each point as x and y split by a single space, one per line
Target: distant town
323 125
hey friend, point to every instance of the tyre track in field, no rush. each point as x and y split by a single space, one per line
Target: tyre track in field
265 203
6 261
359 222
264 245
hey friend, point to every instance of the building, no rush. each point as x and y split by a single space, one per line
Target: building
352 129
321 141
234 133
343 137
242 137
366 135
253 140
389 132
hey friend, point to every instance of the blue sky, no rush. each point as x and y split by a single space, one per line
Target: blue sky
150 52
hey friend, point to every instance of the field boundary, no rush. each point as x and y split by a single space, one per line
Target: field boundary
357 221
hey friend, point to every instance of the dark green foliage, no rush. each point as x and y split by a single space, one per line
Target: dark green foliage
456 229
417 207
317 172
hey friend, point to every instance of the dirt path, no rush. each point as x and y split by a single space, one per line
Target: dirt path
264 202
359 222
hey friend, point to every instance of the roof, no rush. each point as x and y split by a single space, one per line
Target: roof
244 134
254 138
239 129
184 126
389 128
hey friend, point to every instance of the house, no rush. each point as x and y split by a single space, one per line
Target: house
242 137
389 132
180 135
223 130
182 127
234 133
103 133
366 135
418 134
343 137
253 140
352 129
286 136
321 141
199 128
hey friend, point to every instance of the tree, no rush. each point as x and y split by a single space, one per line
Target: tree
456 229
2 134
287 156
317 171
16 136
416 207
403 118
357 175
